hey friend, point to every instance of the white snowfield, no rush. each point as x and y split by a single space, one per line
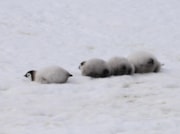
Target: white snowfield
39 33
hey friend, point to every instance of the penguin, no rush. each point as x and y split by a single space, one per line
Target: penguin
144 62
120 66
47 75
96 68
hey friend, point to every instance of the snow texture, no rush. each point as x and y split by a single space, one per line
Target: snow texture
39 33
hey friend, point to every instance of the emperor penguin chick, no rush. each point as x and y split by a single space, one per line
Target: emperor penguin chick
120 66
144 62
94 68
53 74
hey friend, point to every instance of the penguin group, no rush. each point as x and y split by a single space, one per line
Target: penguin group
139 62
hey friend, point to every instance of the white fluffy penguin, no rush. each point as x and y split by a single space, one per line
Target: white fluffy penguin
144 62
120 66
53 74
94 68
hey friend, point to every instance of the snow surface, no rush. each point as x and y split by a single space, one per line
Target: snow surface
39 33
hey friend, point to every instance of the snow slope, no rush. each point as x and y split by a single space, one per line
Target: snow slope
38 33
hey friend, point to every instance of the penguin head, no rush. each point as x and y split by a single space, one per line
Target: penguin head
30 74
82 64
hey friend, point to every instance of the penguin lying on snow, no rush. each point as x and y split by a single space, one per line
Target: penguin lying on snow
144 62
120 66
94 68
53 74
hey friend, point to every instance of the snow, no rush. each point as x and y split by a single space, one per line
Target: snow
39 33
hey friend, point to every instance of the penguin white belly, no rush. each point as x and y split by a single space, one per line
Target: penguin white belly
52 75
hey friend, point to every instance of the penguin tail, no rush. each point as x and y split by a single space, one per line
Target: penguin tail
70 75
